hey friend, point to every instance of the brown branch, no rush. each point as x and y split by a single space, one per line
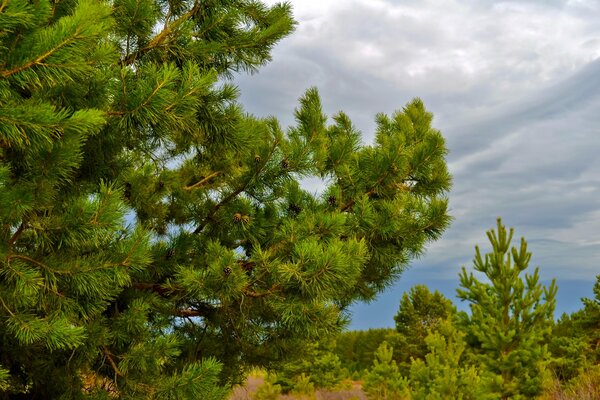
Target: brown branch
352 202
6 307
32 261
247 265
250 293
16 235
108 355
154 287
188 312
199 310
202 182
115 113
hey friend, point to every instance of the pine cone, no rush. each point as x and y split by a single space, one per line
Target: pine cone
257 159
237 217
285 164
170 253
294 208
332 201
127 192
227 271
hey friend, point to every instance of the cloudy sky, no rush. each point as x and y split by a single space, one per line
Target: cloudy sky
515 89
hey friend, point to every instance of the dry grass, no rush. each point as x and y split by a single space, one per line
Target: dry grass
245 392
584 387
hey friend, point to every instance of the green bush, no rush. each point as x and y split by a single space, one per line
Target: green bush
304 389
267 391
384 381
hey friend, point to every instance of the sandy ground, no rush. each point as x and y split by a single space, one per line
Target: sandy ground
253 382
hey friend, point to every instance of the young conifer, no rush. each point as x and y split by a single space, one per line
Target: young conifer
384 380
588 320
511 317
154 238
419 314
443 373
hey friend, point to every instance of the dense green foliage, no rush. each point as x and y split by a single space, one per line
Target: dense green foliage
569 347
356 349
154 238
317 363
419 314
589 322
384 381
443 373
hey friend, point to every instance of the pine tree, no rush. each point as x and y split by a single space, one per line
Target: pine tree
420 313
154 238
511 318
588 320
384 381
443 373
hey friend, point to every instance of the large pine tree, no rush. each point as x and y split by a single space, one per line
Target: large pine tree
154 238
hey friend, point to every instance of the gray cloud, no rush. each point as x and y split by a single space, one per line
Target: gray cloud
515 89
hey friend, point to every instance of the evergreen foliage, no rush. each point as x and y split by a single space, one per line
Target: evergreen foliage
589 321
443 374
570 348
304 388
317 363
575 343
267 391
419 314
356 349
384 381
511 318
154 238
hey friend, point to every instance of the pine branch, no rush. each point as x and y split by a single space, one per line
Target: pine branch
40 59
250 293
155 287
6 307
200 310
31 261
159 85
236 192
108 356
202 181
158 40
